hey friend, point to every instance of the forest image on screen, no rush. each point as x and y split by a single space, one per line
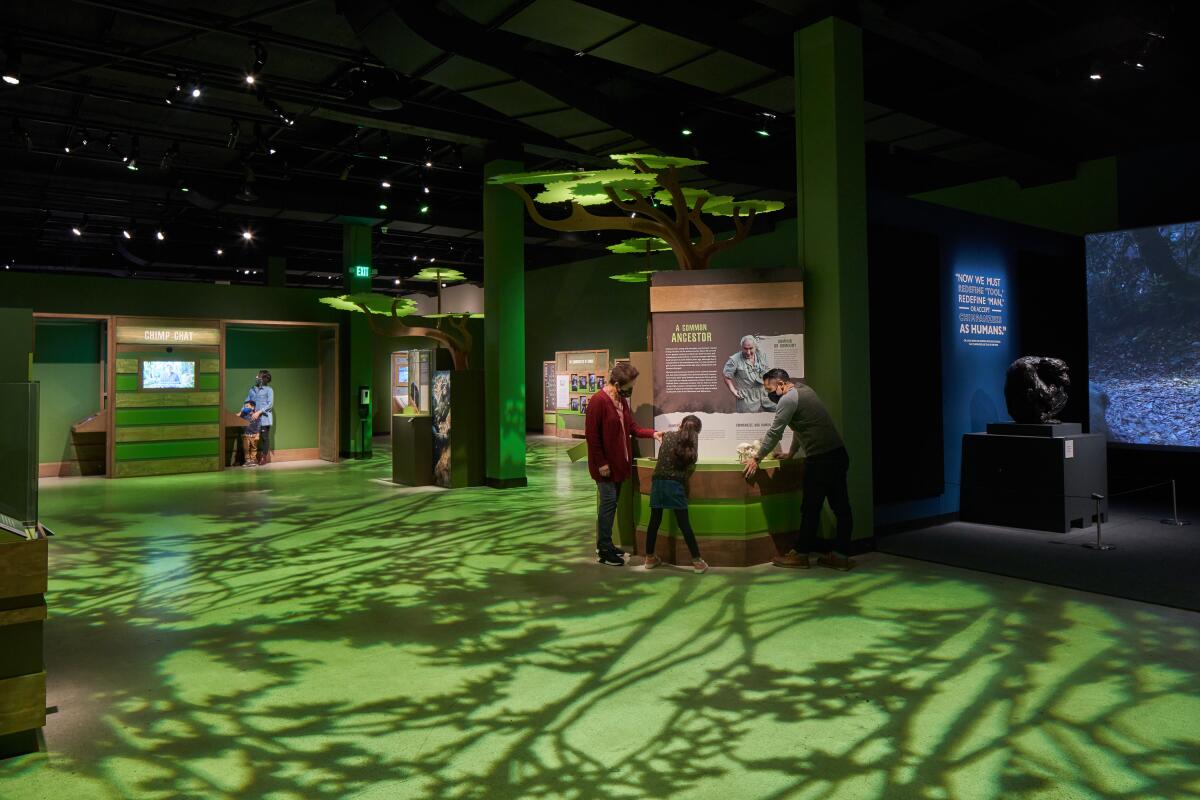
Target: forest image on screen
1144 335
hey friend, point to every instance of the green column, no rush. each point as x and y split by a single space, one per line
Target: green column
832 233
357 343
504 328
276 271
16 356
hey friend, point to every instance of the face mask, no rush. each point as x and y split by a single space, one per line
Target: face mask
626 391
258 381
774 397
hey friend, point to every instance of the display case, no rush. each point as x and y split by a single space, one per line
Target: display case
412 372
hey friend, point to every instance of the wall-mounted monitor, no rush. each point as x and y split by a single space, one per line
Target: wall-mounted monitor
167 375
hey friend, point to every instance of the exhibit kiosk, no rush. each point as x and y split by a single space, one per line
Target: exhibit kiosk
136 396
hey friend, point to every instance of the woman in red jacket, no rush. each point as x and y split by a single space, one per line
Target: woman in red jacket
610 453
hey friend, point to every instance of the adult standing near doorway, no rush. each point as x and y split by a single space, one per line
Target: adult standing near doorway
264 403
608 426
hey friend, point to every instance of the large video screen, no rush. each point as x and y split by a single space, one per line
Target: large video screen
168 375
1144 335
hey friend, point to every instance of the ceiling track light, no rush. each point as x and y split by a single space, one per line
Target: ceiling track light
160 234
19 133
81 228
135 152
168 159
128 230
260 61
235 132
197 89
12 63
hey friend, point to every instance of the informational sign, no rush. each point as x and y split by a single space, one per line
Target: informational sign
562 391
981 307
711 364
140 334
549 387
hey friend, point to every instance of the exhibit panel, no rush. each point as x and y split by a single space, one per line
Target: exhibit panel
167 399
578 374
716 333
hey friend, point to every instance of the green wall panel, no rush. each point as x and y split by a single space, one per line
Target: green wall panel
166 399
166 466
734 519
66 361
167 416
162 433
291 356
129 451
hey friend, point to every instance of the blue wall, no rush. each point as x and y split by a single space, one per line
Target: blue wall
973 376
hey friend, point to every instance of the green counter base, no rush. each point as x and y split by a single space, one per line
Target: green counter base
739 521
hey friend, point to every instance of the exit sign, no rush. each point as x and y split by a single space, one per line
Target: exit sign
362 272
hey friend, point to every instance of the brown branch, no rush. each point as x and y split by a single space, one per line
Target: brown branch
706 233
581 220
742 230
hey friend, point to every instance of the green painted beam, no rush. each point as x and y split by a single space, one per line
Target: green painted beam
165 466
130 451
357 342
166 399
167 416
504 328
832 236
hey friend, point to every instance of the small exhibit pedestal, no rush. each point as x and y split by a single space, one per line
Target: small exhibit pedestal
1040 477
738 521
412 449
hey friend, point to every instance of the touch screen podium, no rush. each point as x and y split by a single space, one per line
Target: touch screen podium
739 521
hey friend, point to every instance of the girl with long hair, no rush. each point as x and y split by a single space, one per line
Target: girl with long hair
676 460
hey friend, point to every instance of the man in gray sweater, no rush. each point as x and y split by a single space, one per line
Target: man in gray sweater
826 464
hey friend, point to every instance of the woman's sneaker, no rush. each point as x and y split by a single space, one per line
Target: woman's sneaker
651 562
611 559
699 565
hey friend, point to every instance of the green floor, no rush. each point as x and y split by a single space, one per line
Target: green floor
316 634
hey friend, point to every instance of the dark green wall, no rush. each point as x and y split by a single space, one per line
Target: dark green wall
71 294
291 356
67 362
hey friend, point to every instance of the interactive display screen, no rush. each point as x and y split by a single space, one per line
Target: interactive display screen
1144 335
168 375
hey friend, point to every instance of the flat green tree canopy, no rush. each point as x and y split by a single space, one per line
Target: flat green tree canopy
641 244
373 303
444 274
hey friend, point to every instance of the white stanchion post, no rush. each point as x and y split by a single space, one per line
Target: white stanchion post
1098 545
1175 520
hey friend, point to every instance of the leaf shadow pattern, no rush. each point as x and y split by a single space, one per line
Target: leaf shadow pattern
314 634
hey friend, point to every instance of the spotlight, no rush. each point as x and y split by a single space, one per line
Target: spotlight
81 228
383 206
424 209
425 189
127 231
428 163
260 61
76 230
346 171
135 152
197 90
1095 76
385 184
220 251
173 94
248 235
764 126
686 131
235 131
158 234
396 282
414 258
12 64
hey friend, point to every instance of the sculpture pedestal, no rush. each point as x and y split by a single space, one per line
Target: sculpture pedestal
1039 482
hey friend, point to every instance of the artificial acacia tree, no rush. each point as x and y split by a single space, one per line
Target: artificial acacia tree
647 189
387 315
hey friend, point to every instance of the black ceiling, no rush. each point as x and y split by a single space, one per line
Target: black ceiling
955 91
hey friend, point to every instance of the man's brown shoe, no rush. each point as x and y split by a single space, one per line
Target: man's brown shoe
835 561
792 560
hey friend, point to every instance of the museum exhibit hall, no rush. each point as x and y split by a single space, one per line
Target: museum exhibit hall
585 399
